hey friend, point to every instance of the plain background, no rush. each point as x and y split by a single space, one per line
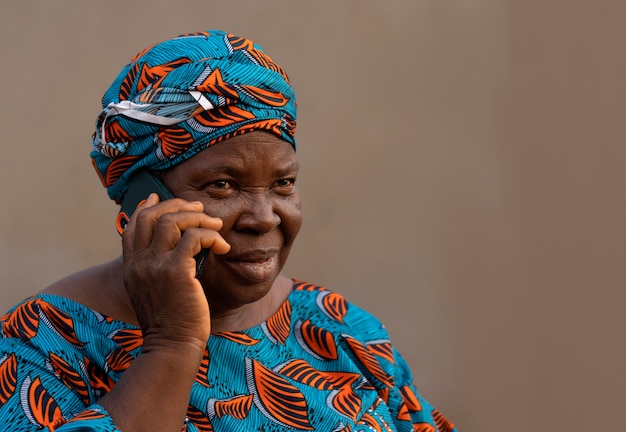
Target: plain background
462 174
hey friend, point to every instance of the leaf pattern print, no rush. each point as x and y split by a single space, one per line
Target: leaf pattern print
199 419
411 400
278 326
295 372
423 427
333 305
119 360
118 167
237 407
260 58
59 322
365 356
267 97
23 322
276 398
129 79
127 338
318 342
443 424
173 141
213 83
99 381
382 349
220 117
88 414
370 421
72 379
202 377
342 397
8 377
40 408
238 337
115 133
305 286
403 413
151 76
237 43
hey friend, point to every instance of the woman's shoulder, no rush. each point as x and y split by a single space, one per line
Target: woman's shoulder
84 299
48 325
323 307
25 318
61 314
98 288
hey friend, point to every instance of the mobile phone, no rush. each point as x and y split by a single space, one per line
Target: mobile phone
141 185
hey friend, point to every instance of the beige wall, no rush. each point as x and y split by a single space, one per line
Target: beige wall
462 176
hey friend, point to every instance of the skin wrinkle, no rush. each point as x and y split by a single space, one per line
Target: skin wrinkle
258 211
260 205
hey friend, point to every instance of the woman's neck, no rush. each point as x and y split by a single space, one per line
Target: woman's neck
237 318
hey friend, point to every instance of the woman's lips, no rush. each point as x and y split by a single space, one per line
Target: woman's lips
256 266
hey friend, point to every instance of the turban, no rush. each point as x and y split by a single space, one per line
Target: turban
183 95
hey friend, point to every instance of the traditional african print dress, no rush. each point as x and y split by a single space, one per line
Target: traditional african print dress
319 363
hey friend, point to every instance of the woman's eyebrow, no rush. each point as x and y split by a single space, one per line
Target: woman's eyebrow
291 167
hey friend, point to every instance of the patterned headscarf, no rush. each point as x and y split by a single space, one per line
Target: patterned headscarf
183 95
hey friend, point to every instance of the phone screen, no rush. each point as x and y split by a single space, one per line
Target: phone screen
140 187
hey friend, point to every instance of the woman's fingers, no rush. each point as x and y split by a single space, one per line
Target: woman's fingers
170 227
194 239
145 219
162 226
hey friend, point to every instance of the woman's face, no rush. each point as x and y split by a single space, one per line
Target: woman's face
249 182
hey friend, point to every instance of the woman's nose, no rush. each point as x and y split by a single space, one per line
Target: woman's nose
258 214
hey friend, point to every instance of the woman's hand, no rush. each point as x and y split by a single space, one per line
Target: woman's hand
159 245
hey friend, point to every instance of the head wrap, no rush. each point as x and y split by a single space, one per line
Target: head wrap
183 95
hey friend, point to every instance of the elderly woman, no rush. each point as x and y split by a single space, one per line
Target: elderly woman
153 341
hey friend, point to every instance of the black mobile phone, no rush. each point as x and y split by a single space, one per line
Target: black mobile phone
141 185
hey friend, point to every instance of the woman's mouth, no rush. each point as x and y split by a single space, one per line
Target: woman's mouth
254 266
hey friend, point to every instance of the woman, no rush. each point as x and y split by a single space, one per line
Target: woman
142 342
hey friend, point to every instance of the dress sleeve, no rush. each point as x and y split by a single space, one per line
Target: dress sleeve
43 392
410 404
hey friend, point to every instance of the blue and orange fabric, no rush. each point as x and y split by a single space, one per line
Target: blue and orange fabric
318 364
183 95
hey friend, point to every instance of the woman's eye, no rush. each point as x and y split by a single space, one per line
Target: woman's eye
221 185
286 182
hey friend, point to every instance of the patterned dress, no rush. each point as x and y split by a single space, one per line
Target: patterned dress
319 363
